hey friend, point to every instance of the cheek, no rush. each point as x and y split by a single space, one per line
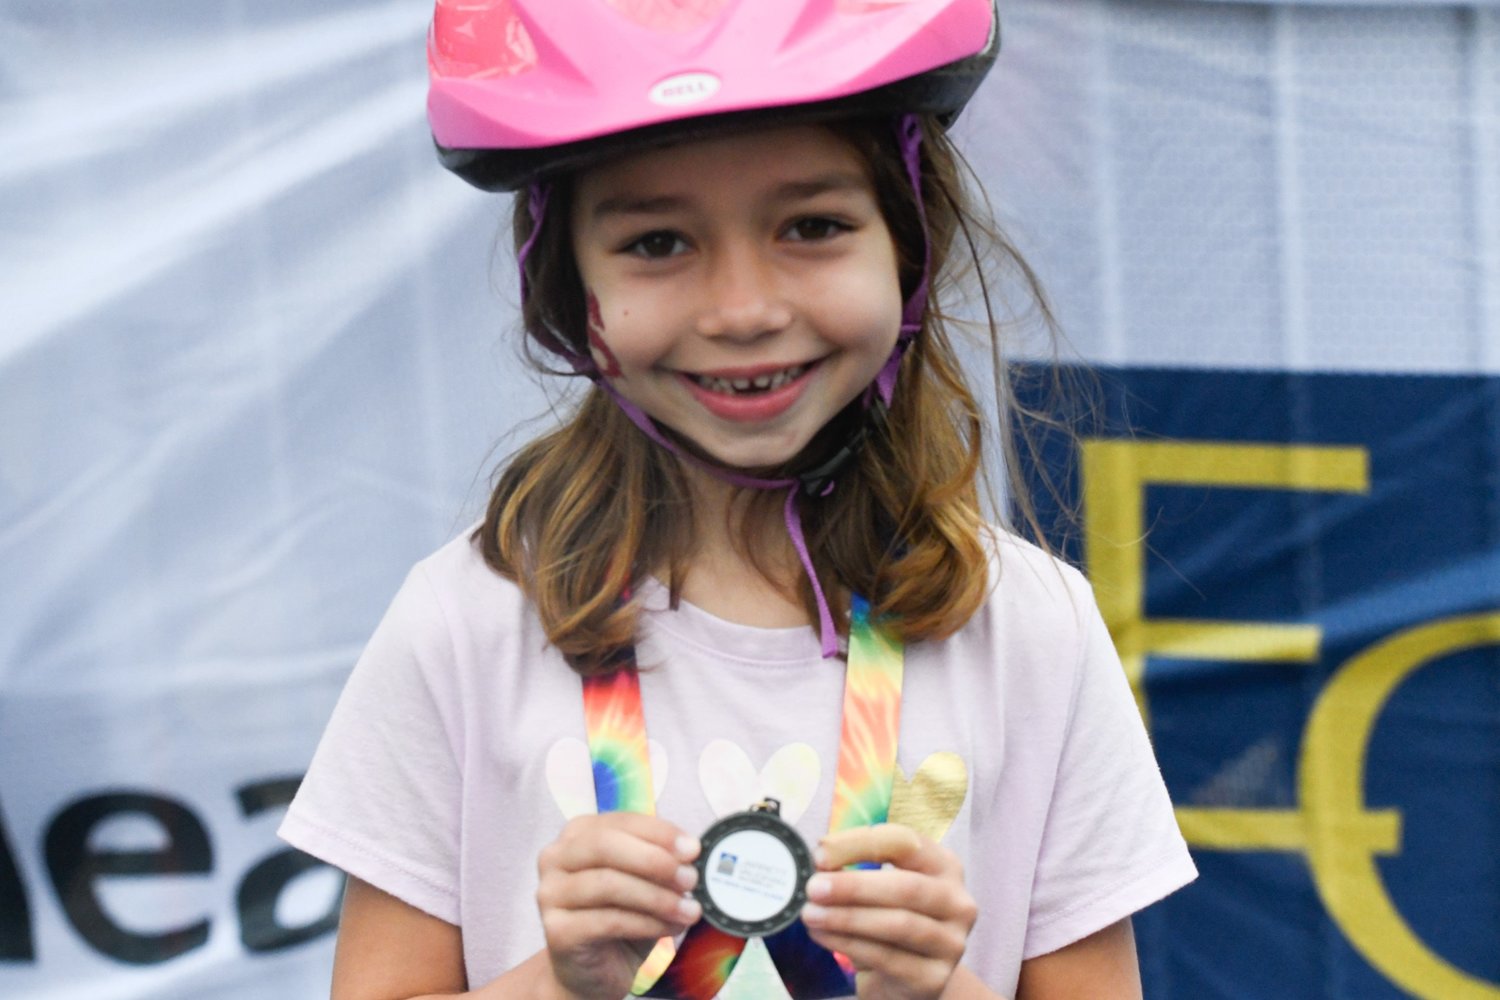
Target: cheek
625 331
868 313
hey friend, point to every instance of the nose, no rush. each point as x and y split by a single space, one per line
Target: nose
743 298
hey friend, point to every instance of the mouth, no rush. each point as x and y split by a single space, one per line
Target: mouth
750 385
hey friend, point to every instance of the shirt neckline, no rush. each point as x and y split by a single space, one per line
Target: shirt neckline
723 638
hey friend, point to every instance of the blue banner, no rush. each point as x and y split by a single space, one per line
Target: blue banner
1302 572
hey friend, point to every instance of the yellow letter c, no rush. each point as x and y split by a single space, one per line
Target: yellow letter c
1331 776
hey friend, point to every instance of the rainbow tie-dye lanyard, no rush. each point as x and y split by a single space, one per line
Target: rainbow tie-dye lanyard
698 968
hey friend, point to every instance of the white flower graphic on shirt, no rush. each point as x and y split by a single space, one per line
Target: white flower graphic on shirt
570 775
731 783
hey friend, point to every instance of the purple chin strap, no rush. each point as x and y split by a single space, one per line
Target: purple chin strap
876 400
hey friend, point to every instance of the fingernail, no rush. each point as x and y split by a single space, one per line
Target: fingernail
818 887
813 914
686 877
820 857
687 847
689 910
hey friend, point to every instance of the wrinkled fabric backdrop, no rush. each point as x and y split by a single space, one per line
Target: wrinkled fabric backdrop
257 357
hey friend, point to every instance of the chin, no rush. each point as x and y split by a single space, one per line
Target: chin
752 460
750 456
767 455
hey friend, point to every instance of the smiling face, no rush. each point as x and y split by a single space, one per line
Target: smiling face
742 290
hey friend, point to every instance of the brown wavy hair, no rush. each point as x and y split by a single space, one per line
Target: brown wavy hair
582 514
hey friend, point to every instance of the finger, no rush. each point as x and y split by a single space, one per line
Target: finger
656 857
652 829
938 897
885 843
607 888
566 930
891 928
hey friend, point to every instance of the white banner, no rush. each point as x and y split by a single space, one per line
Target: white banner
1255 186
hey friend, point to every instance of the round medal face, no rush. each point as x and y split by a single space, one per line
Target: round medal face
752 874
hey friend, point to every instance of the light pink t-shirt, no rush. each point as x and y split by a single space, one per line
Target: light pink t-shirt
456 753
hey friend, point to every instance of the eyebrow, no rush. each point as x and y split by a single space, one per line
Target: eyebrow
799 190
625 204
812 187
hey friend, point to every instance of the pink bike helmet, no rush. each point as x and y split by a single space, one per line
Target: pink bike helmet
522 88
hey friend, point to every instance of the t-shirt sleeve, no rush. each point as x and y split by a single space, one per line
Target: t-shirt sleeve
381 799
1111 844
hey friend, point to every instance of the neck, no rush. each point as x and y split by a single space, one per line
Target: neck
721 578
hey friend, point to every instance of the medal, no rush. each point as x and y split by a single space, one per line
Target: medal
766 903
752 872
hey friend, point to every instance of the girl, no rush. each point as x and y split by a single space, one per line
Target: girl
752 563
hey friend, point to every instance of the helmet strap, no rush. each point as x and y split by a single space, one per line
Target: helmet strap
909 140
538 195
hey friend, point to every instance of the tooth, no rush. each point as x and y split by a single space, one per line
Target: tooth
777 381
741 383
763 381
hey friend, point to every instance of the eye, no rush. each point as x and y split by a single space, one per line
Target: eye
655 245
815 228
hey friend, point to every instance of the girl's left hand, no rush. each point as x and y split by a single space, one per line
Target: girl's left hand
903 927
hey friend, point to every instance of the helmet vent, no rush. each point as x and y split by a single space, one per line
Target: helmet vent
479 40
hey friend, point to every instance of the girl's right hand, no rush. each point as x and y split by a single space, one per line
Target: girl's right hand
608 888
